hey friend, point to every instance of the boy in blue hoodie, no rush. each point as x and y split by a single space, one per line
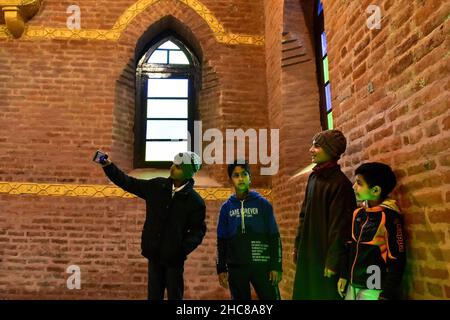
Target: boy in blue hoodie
248 241
375 260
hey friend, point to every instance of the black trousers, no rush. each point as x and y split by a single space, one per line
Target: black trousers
240 278
161 277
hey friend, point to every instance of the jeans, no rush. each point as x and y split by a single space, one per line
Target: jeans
161 277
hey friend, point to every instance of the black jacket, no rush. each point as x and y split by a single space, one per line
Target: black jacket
376 240
325 221
173 227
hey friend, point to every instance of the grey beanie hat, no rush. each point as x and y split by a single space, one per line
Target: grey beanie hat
333 142
190 163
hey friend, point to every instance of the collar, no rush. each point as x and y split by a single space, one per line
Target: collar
176 189
326 167
374 209
388 203
182 189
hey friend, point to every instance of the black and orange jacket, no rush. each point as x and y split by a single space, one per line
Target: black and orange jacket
376 240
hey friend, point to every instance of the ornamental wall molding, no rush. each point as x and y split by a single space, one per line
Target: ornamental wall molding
100 191
15 14
46 33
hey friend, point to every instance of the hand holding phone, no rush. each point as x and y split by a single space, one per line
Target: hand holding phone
100 157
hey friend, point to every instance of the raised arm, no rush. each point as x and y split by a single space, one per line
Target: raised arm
135 186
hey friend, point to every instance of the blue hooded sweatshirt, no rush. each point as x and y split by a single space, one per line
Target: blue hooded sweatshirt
247 233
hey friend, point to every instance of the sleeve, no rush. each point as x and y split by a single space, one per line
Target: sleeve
341 208
396 258
301 219
344 263
135 186
197 228
275 247
221 265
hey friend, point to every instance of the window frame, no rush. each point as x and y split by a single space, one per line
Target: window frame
319 28
146 71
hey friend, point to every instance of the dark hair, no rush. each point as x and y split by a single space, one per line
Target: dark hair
378 174
238 163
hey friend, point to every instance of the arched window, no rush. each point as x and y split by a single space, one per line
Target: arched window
326 109
166 87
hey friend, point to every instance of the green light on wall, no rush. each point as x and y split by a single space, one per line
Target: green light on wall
330 120
325 70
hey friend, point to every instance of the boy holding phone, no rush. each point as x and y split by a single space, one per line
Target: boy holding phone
174 224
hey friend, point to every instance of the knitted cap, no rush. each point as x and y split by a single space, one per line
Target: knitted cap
190 163
333 142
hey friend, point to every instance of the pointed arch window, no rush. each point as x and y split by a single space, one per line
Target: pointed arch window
166 76
326 108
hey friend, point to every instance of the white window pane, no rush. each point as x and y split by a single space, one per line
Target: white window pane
178 57
158 56
167 88
168 45
167 129
167 108
164 151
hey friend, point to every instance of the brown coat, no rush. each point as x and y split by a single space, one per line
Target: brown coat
325 220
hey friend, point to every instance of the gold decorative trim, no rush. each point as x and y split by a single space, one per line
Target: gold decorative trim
100 191
15 13
35 32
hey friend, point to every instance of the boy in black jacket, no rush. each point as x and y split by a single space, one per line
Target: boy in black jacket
174 224
375 260
248 241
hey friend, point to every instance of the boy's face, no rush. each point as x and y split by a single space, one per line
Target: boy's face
362 190
176 172
241 179
318 155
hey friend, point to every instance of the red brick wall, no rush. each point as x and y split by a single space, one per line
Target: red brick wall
63 99
403 122
42 236
293 107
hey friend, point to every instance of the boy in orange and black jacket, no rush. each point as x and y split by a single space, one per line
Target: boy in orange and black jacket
375 258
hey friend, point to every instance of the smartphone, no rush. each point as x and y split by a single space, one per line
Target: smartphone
100 157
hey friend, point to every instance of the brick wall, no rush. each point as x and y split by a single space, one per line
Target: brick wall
41 237
293 107
63 99
403 122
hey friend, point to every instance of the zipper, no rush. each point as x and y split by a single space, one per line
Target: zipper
242 217
357 246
